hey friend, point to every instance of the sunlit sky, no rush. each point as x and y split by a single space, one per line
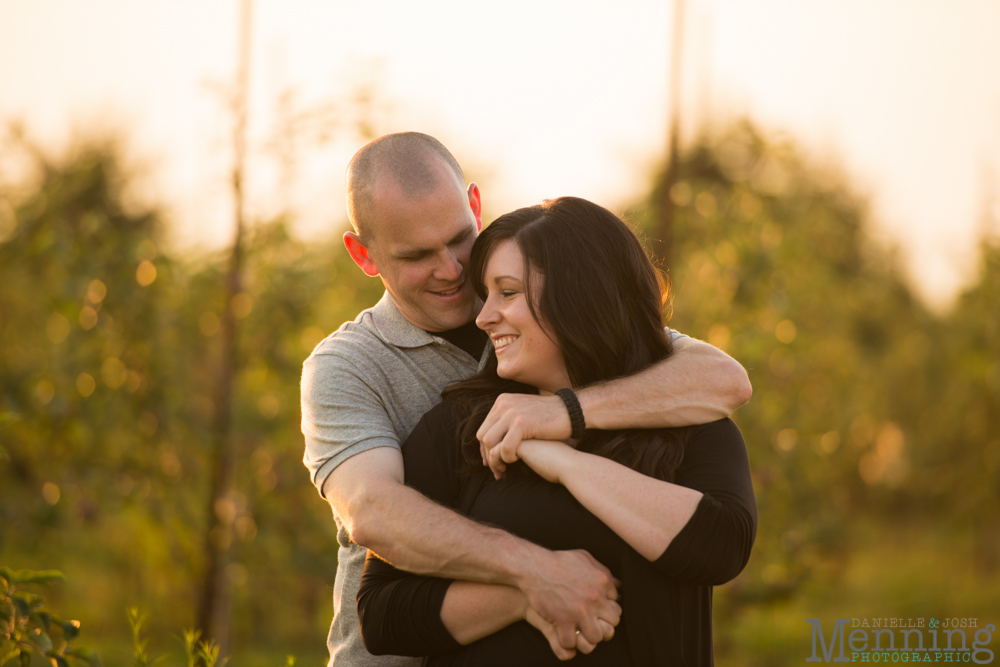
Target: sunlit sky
536 98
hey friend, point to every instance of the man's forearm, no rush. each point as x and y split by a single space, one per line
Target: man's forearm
696 385
568 588
418 535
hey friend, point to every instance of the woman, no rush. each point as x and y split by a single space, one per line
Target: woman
570 299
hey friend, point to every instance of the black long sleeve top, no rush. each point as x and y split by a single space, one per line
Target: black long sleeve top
666 603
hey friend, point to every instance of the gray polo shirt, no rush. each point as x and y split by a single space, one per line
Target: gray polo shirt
366 386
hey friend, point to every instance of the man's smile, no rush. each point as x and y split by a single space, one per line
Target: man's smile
448 292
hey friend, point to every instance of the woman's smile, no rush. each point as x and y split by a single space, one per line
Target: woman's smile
525 350
501 342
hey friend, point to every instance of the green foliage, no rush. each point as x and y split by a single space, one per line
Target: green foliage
959 431
106 403
191 647
208 653
28 627
865 404
135 621
205 653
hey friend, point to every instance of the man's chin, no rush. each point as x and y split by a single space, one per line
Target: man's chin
454 318
449 324
433 315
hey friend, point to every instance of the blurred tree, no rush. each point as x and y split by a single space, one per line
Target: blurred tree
662 242
865 405
107 396
772 263
214 599
91 372
958 451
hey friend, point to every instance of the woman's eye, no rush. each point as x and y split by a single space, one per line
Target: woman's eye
507 294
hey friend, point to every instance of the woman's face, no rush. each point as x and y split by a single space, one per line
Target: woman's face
525 352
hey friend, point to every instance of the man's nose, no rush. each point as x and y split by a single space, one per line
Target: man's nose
449 267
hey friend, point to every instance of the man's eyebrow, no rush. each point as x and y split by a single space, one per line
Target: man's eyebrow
416 252
461 236
411 252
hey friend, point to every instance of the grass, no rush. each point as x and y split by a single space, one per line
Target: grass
902 570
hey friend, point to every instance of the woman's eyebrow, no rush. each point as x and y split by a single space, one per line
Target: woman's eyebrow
499 278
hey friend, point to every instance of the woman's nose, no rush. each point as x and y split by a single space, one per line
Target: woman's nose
489 315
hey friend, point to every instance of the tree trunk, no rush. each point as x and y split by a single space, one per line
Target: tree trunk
214 602
663 245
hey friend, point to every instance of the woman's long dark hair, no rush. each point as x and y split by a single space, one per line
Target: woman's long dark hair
601 299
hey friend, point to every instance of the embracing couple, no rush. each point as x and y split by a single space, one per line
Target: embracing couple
523 464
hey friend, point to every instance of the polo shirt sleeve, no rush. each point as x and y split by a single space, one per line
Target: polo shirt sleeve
342 415
674 335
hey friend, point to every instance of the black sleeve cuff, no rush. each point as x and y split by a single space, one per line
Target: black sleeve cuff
400 613
712 547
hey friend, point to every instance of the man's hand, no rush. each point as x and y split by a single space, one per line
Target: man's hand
517 417
571 591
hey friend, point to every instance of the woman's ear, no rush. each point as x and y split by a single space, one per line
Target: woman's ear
359 253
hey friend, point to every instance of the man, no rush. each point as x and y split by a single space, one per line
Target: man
366 386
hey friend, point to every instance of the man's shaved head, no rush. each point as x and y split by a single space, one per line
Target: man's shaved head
415 221
408 159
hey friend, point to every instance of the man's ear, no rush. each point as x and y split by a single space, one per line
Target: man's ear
359 253
476 204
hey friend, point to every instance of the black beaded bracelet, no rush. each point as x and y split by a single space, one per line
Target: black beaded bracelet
576 420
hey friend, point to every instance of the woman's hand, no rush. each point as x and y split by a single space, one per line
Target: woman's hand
548 458
515 417
549 630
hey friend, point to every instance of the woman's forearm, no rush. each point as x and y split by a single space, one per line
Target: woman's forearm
645 512
472 610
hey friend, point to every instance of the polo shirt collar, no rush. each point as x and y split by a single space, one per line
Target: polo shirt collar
396 329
